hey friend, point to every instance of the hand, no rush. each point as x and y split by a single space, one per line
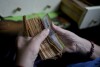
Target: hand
28 48
72 42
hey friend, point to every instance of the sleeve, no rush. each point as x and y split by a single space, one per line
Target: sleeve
94 63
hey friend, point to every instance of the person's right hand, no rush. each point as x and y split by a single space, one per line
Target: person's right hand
28 48
72 42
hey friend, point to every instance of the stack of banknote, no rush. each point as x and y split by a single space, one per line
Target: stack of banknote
52 46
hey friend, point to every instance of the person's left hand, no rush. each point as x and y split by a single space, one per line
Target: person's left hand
28 48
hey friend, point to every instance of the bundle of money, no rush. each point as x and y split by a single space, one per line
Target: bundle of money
52 46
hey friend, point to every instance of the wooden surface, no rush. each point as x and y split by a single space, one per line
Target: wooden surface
10 27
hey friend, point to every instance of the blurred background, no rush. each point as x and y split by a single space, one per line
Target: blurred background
79 16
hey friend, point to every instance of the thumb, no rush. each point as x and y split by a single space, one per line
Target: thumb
58 29
38 39
61 31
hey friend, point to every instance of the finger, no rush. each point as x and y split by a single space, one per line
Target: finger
21 42
37 40
20 39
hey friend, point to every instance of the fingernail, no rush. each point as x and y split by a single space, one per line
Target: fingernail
45 32
52 23
47 29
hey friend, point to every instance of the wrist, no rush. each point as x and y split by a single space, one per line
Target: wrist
83 46
26 59
96 52
88 48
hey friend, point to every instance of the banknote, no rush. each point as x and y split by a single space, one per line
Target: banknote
52 46
47 24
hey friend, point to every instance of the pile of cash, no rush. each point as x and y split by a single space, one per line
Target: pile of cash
52 46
